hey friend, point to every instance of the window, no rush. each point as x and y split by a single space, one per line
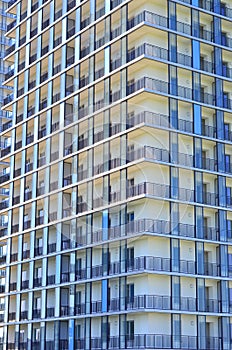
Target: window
224 69
39 242
24 275
130 258
224 39
230 262
21 337
130 216
25 245
78 332
130 295
130 330
229 229
226 130
38 272
223 9
225 99
78 268
37 334
40 213
228 195
37 303
227 163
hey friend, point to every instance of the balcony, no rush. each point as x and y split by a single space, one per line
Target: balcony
11 25
2 259
221 9
151 189
9 74
4 177
9 50
159 341
3 232
6 126
156 264
5 150
8 99
4 204
160 302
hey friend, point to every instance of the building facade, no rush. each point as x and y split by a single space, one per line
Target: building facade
119 217
5 119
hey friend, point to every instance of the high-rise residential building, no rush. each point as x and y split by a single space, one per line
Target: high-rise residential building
5 119
120 176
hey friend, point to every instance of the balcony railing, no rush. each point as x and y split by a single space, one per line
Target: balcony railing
36 313
51 279
11 2
50 312
51 247
160 341
152 264
37 281
23 315
25 284
12 316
